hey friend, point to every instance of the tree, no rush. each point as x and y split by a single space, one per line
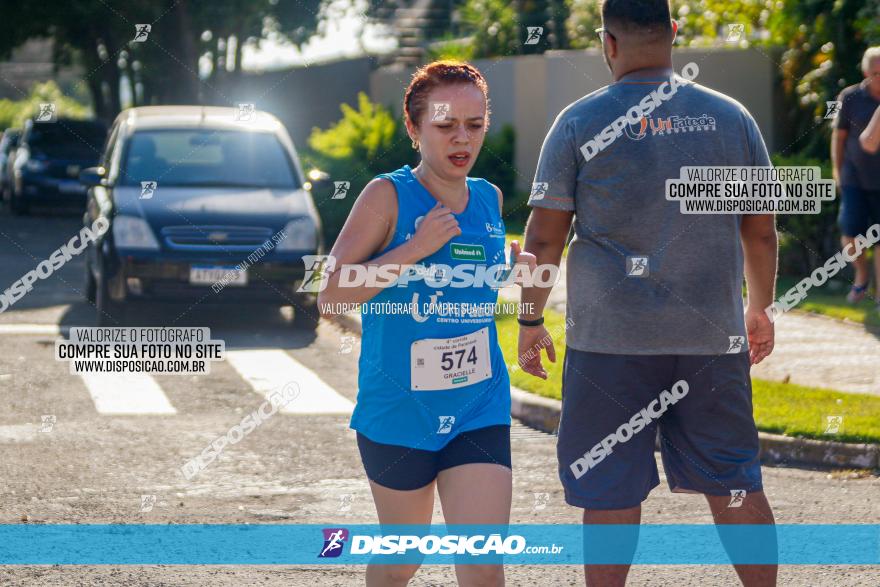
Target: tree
492 28
166 65
13 113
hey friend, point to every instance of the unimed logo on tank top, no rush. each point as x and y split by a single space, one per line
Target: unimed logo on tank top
465 252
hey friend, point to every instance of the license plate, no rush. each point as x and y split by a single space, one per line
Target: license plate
71 187
209 275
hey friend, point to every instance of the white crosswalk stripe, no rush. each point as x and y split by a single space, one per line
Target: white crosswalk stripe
49 329
130 393
270 370
265 370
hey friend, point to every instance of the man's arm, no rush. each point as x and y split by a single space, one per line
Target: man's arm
546 232
553 206
838 141
759 240
870 137
839 135
545 236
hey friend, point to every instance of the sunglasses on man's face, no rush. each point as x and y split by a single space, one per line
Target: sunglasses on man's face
602 31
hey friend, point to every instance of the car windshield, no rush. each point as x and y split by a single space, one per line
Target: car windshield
69 139
198 157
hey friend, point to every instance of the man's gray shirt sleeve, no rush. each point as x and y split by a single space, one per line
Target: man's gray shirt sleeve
556 177
760 157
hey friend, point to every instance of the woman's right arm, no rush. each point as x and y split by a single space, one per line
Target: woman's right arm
368 225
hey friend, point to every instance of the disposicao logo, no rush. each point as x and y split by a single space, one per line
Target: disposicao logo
334 540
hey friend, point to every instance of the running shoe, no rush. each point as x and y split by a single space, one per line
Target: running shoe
857 293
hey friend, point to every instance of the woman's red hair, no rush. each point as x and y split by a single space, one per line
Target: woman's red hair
434 75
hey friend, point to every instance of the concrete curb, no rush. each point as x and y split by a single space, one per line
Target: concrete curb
542 413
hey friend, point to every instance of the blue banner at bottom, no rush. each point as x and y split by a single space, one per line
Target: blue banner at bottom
516 544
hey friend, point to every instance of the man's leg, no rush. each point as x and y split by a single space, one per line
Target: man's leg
853 219
860 264
606 463
612 575
754 509
709 444
875 250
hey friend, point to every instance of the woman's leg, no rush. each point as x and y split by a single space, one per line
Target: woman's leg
399 507
402 480
475 485
476 493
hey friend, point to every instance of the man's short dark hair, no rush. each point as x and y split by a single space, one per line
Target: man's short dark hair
651 17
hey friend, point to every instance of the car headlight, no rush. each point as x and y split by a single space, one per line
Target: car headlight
299 235
131 232
36 165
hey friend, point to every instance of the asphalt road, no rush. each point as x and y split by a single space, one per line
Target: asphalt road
94 465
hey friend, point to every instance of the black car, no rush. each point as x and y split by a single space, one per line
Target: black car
202 208
8 144
48 160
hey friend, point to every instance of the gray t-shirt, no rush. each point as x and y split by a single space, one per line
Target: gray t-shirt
859 168
688 297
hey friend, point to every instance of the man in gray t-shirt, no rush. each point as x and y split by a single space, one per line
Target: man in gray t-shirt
684 296
654 296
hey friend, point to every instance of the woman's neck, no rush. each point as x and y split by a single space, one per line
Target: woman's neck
452 194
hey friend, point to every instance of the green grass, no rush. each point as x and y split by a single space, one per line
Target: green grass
830 300
519 236
781 408
796 410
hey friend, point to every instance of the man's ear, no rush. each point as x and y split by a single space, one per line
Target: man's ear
611 42
674 29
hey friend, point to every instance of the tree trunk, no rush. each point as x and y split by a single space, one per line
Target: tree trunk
181 44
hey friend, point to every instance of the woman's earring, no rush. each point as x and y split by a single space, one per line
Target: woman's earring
415 145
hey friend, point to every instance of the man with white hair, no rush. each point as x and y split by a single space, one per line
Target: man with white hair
856 161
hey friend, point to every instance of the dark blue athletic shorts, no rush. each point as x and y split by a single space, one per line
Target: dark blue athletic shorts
404 468
859 209
614 405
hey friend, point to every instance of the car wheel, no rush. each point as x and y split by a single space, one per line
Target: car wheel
109 311
306 315
18 206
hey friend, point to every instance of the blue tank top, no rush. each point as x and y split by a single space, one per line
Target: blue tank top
430 373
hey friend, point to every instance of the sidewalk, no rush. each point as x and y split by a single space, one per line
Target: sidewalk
810 350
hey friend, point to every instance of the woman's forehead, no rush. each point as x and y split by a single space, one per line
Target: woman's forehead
459 97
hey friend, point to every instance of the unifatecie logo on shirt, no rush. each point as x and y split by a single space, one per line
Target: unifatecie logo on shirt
669 125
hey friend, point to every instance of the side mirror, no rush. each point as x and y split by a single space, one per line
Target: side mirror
92 176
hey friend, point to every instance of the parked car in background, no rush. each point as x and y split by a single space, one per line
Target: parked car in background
202 208
8 144
48 160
